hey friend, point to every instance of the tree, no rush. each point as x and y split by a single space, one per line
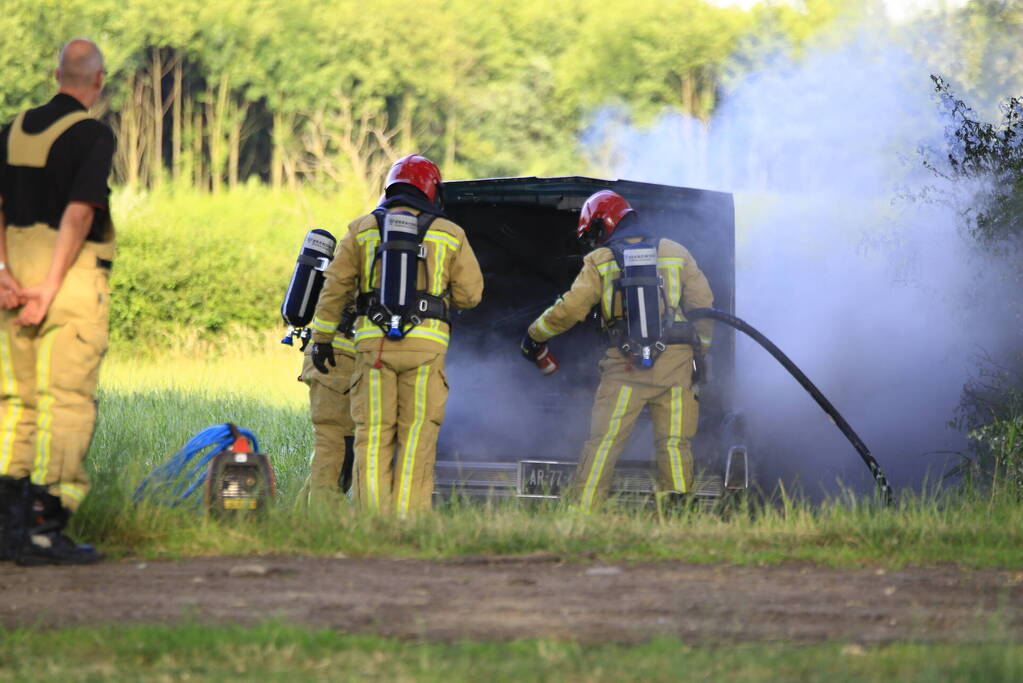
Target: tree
329 93
986 158
652 55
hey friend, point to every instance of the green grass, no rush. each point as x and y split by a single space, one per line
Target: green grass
149 410
917 532
280 652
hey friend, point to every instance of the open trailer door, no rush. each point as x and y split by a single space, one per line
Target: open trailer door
512 431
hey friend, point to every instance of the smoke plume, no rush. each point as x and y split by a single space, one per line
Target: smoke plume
879 297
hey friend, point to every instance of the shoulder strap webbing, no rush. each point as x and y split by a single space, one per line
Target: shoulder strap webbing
32 149
618 249
423 222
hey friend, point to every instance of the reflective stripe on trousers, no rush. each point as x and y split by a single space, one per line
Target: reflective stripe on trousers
606 444
412 442
398 409
373 445
44 418
15 407
674 440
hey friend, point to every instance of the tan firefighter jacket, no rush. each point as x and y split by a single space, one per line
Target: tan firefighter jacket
450 270
685 288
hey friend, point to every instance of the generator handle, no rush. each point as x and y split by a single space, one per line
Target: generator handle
241 442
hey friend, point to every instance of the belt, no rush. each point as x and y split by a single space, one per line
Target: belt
675 333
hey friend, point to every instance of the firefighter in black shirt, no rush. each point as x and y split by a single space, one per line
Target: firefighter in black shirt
56 251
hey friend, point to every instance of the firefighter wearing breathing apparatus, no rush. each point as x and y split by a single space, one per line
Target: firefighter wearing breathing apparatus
643 287
330 475
407 266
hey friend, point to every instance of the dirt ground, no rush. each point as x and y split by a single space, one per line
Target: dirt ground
535 596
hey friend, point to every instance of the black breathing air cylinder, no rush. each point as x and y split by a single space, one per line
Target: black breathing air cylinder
307 279
399 268
641 287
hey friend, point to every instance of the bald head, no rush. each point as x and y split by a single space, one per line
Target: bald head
80 70
79 64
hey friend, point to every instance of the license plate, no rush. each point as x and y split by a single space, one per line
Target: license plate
544 478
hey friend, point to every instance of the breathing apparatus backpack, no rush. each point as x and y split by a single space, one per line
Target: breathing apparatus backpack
396 306
645 331
306 283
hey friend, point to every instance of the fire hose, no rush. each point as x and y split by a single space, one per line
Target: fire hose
875 469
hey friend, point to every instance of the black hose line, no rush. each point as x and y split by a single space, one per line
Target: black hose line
861 448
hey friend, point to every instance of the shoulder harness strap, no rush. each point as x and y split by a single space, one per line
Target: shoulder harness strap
32 149
425 304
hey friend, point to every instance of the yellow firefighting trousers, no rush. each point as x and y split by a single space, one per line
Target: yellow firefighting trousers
331 415
398 409
623 393
48 372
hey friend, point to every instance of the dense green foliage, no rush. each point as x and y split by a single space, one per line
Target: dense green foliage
332 92
194 265
283 652
988 159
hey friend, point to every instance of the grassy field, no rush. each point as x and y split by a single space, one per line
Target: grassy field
150 408
279 652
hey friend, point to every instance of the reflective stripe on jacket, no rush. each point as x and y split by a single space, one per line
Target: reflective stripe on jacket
450 270
685 288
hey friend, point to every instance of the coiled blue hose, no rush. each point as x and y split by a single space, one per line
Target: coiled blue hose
176 480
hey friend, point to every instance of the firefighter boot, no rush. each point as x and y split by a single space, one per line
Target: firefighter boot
14 503
45 542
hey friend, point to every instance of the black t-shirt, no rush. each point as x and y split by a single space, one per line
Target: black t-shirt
76 170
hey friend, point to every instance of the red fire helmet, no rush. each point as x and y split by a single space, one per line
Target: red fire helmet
417 171
600 215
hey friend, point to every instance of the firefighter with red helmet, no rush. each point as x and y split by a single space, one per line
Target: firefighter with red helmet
407 266
643 287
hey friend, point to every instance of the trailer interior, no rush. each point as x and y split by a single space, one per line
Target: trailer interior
509 430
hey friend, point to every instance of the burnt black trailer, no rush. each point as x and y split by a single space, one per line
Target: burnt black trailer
509 429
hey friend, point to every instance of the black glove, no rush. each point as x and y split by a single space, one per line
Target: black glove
323 353
530 348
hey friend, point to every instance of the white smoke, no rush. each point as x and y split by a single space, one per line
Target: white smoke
880 299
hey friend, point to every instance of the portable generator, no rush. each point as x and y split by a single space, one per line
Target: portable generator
239 480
